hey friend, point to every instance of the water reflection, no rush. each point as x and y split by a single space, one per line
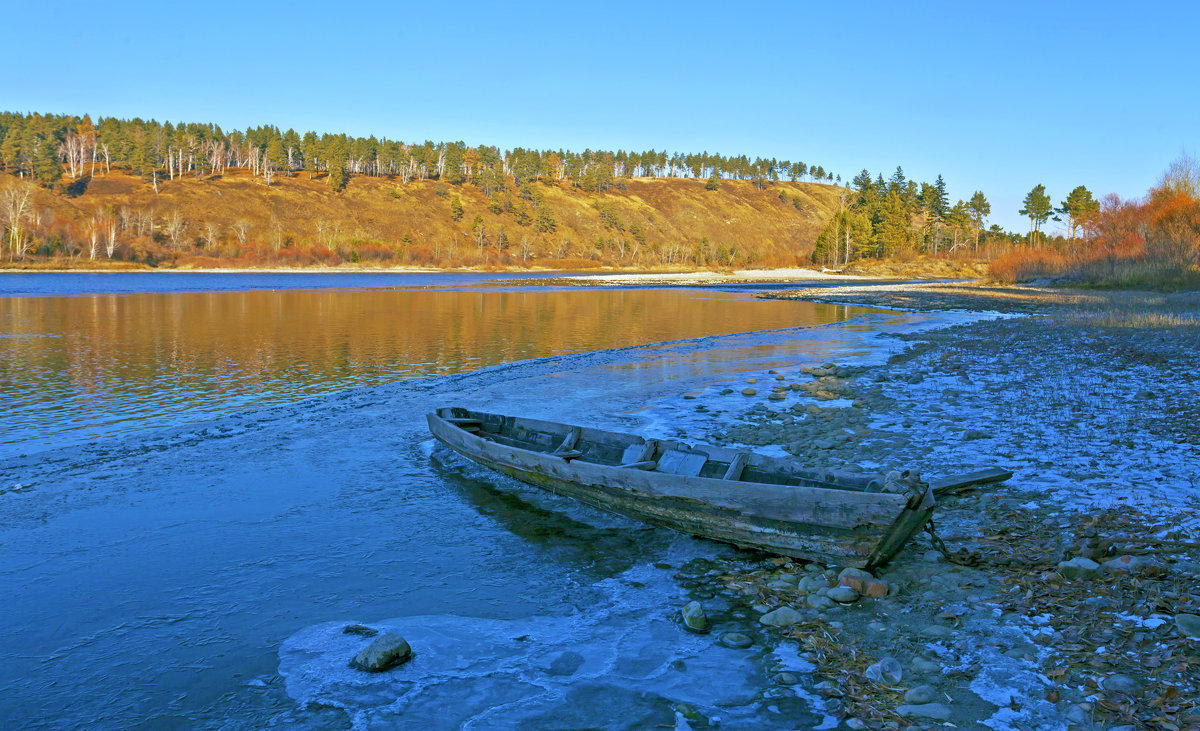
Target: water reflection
74 368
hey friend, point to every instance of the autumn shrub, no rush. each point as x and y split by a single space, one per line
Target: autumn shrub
1022 264
570 263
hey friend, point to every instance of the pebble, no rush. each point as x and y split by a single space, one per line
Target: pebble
920 695
973 434
921 666
936 711
887 670
694 619
1188 625
787 678
843 594
933 557
856 723
782 617
748 392
383 652
361 630
736 640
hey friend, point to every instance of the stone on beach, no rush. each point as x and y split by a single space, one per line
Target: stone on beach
748 391
920 695
782 617
843 594
736 640
1126 564
361 630
1078 567
1121 684
694 619
384 652
1188 625
936 711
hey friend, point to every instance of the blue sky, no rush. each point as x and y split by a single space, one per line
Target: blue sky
995 98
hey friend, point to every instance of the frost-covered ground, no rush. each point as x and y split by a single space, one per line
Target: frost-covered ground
1090 399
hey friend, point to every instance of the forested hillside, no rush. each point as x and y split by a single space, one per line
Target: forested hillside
76 191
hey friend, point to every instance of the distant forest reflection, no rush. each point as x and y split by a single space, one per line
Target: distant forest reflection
89 362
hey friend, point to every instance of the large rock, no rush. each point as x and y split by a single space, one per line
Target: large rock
782 617
1188 625
887 670
384 652
694 619
936 711
1079 567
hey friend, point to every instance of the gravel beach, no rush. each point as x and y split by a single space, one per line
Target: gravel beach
1074 590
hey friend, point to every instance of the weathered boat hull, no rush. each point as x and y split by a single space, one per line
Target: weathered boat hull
846 527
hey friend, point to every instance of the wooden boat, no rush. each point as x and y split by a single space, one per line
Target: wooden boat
737 497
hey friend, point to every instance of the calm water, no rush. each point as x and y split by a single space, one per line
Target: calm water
198 489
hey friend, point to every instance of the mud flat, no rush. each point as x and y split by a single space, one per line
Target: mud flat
1071 595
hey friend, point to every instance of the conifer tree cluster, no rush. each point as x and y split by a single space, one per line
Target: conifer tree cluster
899 217
42 145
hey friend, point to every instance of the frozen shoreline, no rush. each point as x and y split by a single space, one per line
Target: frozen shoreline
1089 400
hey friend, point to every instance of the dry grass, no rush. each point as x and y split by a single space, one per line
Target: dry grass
297 221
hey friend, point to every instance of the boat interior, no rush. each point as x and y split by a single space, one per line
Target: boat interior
614 449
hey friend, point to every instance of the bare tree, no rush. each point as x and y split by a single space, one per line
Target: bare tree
16 206
328 233
212 232
94 228
241 229
175 227
110 237
276 234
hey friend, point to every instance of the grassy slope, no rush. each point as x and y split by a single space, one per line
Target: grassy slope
671 212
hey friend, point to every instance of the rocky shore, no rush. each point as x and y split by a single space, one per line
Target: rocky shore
1074 597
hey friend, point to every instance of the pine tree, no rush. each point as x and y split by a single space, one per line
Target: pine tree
714 182
980 209
456 208
1038 209
1078 206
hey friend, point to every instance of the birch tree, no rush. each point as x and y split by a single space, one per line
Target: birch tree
16 206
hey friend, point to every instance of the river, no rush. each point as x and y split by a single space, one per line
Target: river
204 477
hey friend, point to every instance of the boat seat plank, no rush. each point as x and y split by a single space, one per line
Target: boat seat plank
736 465
463 421
683 463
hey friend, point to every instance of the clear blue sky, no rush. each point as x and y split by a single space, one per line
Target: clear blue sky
996 99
